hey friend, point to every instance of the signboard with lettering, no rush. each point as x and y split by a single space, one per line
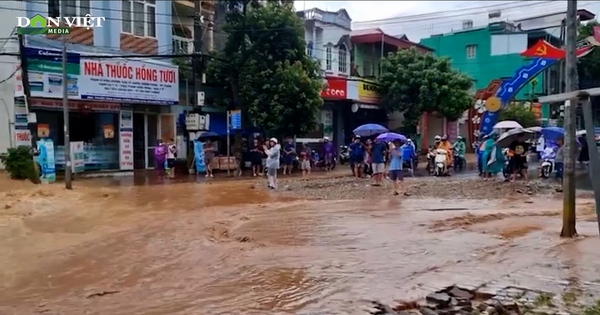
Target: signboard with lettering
367 92
126 140
336 88
128 81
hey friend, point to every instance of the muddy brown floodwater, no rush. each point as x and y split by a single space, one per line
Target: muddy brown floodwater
228 248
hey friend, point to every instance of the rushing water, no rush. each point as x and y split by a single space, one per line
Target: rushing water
228 248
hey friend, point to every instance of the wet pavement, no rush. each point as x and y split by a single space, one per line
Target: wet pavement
232 248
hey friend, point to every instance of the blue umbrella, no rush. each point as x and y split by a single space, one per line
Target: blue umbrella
552 133
369 130
391 136
208 135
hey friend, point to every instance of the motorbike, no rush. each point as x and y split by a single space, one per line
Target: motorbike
431 161
344 154
319 161
440 162
548 167
459 162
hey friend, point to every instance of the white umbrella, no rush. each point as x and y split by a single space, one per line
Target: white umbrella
537 129
580 133
507 124
508 137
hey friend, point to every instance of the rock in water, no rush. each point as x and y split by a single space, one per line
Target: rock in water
427 311
442 300
460 293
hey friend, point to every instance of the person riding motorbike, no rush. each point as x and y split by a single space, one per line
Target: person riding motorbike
460 149
438 139
446 145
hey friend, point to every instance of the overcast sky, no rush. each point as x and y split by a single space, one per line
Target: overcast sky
439 16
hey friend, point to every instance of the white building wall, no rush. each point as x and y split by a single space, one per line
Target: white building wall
323 34
8 44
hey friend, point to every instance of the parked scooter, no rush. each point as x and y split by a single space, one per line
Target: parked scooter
431 161
441 168
548 164
344 154
547 168
459 162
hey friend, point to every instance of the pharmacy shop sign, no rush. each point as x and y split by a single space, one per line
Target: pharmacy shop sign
128 81
60 25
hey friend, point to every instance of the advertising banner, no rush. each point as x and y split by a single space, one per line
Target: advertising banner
77 157
113 80
128 80
45 73
46 160
126 140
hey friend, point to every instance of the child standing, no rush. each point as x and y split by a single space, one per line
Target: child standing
305 155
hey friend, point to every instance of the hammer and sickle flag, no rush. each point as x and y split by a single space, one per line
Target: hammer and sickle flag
541 50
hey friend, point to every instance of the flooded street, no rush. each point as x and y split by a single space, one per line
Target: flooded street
233 248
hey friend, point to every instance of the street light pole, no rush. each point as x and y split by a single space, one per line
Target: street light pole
68 184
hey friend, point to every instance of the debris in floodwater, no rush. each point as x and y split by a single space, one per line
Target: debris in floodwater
455 300
103 293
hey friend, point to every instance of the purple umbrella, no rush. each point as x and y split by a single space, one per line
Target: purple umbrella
391 136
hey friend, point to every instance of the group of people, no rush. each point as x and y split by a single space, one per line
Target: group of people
492 158
376 156
457 149
164 158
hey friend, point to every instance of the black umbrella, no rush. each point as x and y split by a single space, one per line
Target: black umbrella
208 135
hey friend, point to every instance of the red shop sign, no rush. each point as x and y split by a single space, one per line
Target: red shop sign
335 89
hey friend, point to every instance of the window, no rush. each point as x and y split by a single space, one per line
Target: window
471 51
342 59
74 8
328 57
139 17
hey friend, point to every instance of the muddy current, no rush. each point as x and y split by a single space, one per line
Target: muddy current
231 248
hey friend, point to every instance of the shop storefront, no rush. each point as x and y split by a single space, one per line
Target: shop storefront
335 100
365 108
118 108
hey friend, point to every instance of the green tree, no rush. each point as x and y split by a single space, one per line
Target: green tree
415 83
588 67
521 114
265 70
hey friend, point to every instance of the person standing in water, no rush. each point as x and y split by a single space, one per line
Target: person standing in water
209 153
171 156
160 158
273 155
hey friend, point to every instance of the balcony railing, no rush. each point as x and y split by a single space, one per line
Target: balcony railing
182 45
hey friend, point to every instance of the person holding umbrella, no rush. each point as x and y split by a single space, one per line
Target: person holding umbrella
518 161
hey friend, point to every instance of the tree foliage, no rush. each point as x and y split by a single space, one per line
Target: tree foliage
416 83
589 66
521 114
265 70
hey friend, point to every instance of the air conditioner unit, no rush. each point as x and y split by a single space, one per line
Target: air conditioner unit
197 122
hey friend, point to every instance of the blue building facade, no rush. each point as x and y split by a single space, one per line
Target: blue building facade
119 106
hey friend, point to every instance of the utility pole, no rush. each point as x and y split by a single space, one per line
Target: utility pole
197 53
68 185
571 80
588 115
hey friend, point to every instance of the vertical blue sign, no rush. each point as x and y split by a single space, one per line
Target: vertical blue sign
236 119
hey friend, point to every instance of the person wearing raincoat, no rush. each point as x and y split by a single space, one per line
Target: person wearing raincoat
460 149
492 158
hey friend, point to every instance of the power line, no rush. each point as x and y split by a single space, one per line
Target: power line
434 15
